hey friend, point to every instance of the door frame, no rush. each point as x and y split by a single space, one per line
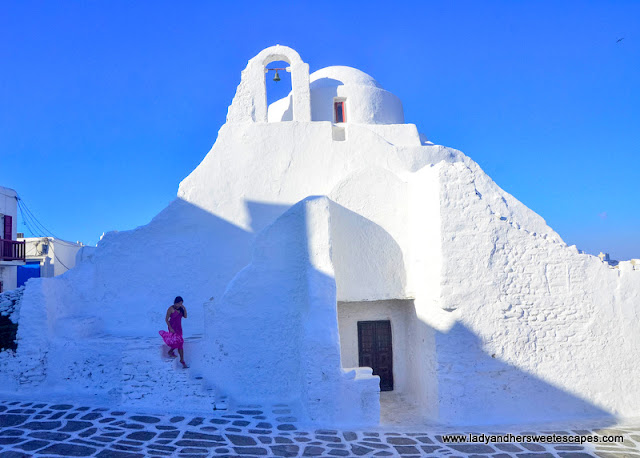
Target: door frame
389 384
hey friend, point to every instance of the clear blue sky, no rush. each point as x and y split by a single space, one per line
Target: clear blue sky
106 106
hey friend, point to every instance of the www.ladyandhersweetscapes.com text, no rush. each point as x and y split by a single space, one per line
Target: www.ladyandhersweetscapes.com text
528 438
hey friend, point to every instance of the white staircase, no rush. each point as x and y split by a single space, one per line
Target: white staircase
150 379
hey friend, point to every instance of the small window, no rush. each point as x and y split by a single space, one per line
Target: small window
340 114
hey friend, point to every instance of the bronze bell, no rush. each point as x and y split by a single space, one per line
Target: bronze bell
277 77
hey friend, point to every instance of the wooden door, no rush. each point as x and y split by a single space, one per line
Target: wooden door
374 350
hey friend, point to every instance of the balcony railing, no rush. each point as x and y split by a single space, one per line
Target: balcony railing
12 250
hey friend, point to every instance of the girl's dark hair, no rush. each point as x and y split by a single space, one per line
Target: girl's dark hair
177 300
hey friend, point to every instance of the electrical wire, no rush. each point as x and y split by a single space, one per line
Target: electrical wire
28 224
43 228
33 228
31 222
28 221
40 228
25 220
58 259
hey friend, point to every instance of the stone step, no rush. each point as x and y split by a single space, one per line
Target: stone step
149 379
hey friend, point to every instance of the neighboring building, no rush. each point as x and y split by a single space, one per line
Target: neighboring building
631 264
46 257
320 240
12 252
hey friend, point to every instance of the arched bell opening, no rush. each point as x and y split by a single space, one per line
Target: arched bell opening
250 101
279 89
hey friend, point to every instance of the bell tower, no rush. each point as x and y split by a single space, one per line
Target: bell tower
250 101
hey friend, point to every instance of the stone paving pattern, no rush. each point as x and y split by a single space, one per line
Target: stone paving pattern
40 429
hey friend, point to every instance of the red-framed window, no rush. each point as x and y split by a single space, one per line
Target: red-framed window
339 110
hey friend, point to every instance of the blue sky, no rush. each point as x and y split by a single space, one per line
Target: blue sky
106 106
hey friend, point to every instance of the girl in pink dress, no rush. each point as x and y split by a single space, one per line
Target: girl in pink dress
173 338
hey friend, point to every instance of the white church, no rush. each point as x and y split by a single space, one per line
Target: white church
331 256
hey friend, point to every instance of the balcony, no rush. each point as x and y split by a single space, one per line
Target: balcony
12 250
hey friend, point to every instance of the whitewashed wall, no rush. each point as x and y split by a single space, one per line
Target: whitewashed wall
9 277
63 256
549 333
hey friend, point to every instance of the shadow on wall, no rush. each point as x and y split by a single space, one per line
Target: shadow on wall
275 334
476 388
368 262
325 89
184 250
263 213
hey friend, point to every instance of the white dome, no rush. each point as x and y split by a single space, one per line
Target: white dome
366 102
349 76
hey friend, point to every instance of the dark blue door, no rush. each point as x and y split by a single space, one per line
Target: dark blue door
30 270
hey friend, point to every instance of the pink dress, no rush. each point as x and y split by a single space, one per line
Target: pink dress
174 339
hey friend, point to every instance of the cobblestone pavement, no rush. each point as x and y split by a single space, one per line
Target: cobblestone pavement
40 429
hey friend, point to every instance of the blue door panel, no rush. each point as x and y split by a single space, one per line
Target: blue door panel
29 270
